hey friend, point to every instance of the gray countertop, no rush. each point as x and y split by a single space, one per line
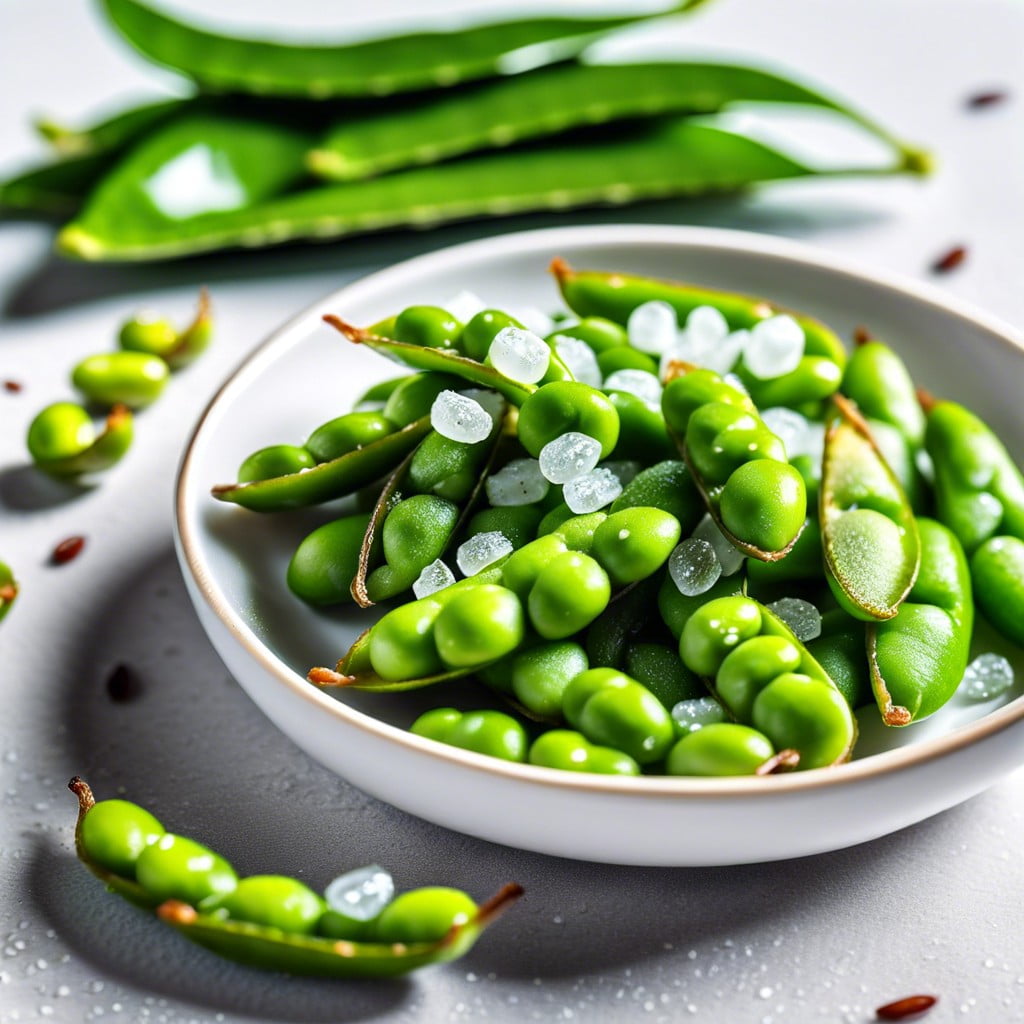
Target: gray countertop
935 908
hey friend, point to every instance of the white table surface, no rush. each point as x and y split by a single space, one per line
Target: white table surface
934 909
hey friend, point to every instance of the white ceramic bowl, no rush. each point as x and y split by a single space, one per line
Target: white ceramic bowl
234 561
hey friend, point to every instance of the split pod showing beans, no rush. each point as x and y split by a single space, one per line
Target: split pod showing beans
272 921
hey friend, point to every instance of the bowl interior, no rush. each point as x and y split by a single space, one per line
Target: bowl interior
307 373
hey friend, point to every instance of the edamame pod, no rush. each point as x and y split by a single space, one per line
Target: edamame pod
375 67
869 534
878 380
63 441
767 678
270 921
979 491
917 659
997 569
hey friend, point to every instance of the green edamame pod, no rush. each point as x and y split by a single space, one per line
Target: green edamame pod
997 569
545 102
917 659
755 497
869 534
979 490
346 433
658 159
572 752
268 921
878 380
159 337
768 679
8 589
804 388
615 296
436 360
328 480
63 441
375 67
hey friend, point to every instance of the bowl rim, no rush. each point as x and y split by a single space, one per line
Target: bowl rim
549 239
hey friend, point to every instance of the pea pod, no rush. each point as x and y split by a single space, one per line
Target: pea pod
61 187
869 534
917 659
8 589
112 838
877 379
755 497
997 569
544 102
979 490
376 67
649 161
615 296
63 442
767 678
328 480
419 357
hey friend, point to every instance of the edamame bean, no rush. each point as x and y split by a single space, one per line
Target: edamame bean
634 543
178 868
402 643
571 751
480 625
565 406
413 396
115 833
430 326
660 669
484 732
569 593
877 379
612 710
324 565
540 675
275 901
347 433
134 379
722 748
424 915
274 461
669 486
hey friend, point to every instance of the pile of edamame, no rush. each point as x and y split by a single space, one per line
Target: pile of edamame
812 531
282 141
357 929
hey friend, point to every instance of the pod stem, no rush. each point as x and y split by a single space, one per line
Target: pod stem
561 270
320 676
784 761
491 909
926 400
353 333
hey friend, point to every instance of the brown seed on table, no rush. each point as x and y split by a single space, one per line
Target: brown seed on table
67 549
123 685
986 99
12 386
950 260
902 1009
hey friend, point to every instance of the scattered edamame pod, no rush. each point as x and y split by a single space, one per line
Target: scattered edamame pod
268 921
134 379
917 659
869 534
62 439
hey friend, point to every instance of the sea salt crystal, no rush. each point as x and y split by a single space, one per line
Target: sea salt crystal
624 469
800 435
433 578
694 567
987 677
569 456
694 714
489 400
652 327
729 556
520 354
776 346
579 359
518 483
706 327
482 550
535 320
801 617
460 418
591 492
361 894
636 382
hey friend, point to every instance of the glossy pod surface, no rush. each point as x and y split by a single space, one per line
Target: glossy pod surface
268 921
63 441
